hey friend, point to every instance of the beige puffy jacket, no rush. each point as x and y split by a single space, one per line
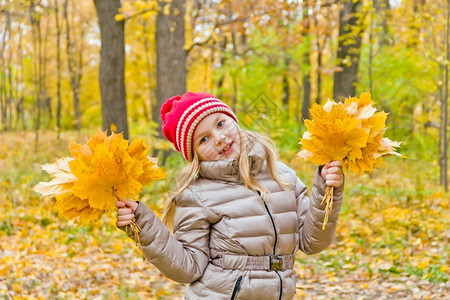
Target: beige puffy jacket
229 243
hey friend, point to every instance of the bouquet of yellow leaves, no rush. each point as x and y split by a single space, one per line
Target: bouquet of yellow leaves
88 184
351 132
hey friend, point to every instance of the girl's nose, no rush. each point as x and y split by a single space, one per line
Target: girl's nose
219 138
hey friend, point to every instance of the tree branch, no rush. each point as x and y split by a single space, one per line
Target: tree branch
205 43
140 13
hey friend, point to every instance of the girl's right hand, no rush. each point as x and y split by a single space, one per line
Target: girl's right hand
125 212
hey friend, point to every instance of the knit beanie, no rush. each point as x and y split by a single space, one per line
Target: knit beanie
181 115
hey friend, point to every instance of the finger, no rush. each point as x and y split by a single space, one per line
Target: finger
334 183
335 163
128 217
120 204
333 176
335 170
326 166
132 205
123 223
124 211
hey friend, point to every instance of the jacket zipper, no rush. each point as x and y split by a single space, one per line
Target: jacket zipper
273 223
276 241
236 288
274 228
281 285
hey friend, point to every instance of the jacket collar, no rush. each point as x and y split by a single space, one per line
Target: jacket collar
228 169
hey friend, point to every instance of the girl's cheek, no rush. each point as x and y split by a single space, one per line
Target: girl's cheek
205 150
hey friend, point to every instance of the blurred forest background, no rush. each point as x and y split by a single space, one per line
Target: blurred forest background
69 68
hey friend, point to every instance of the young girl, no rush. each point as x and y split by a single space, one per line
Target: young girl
238 216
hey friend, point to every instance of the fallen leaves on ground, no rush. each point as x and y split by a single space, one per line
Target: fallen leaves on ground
391 242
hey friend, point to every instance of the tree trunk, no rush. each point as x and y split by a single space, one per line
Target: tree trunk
235 52
20 115
3 70
9 96
306 96
441 127
37 74
112 67
235 90
58 70
444 106
306 61
349 49
286 88
47 109
319 74
74 69
386 11
170 55
150 75
371 30
222 63
382 9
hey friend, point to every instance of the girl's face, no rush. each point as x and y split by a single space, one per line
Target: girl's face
217 138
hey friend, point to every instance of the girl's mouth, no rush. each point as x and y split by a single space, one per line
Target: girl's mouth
227 149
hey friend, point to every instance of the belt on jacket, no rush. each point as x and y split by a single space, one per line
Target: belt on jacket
244 262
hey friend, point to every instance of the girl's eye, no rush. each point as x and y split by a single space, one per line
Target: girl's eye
203 139
221 123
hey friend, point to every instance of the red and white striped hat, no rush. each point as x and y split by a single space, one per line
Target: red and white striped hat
181 115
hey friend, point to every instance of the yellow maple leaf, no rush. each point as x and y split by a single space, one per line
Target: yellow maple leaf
80 152
351 132
138 151
104 168
77 209
109 174
332 134
151 172
62 181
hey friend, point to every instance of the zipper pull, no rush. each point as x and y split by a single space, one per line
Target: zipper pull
262 196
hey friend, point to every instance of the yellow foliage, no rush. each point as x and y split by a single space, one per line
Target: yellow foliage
119 17
87 185
351 132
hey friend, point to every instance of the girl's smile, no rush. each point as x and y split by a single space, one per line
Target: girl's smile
227 149
217 138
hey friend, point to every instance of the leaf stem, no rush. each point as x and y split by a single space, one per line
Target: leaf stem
328 200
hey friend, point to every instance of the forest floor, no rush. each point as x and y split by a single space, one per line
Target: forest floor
391 241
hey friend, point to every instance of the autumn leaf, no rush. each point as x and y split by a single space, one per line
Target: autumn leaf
332 134
62 181
350 132
106 167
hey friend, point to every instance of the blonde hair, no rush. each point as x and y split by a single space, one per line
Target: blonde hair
248 140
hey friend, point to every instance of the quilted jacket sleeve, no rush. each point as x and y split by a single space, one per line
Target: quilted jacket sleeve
183 256
311 215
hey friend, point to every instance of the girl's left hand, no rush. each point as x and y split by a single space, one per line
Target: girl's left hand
332 174
125 212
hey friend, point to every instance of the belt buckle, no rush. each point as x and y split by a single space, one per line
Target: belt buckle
276 262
